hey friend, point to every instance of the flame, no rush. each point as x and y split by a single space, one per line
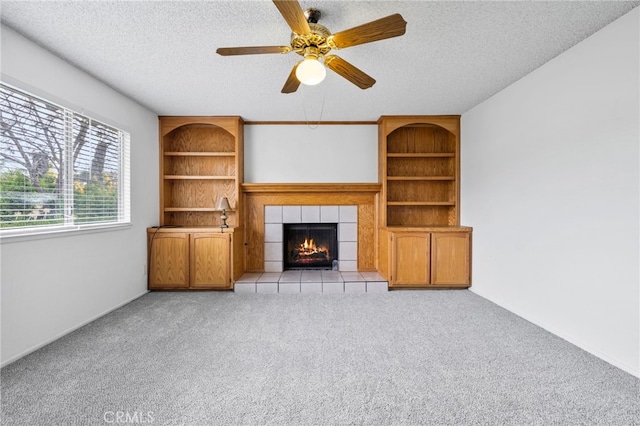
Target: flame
309 248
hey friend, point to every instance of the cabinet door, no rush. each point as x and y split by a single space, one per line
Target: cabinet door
451 258
210 260
168 260
410 259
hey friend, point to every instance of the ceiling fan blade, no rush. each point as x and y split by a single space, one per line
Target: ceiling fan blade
294 15
348 71
252 50
390 26
292 83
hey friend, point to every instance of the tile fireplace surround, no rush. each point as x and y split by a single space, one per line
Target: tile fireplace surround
345 216
345 280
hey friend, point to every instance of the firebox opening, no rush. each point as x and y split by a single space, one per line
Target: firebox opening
309 245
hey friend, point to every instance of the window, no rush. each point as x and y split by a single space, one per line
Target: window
59 169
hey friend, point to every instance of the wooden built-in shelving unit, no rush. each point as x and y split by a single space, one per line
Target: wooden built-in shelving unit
201 161
408 223
420 240
419 169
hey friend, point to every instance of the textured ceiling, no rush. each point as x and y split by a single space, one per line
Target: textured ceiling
453 56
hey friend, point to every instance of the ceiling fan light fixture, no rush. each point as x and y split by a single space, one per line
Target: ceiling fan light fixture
313 42
310 71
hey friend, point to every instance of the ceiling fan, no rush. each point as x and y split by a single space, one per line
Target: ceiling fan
313 42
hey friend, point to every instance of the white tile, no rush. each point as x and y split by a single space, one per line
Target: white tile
273 266
290 276
273 232
355 287
347 251
272 214
329 214
348 265
373 276
273 252
331 277
244 287
349 214
310 214
269 277
289 288
377 287
291 214
333 287
249 277
311 287
352 276
267 288
311 276
347 232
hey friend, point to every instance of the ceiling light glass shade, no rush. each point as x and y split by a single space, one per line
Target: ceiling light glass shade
310 71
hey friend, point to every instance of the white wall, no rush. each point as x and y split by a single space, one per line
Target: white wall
42 300
550 183
300 153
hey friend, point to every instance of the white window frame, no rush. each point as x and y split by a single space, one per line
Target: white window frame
68 227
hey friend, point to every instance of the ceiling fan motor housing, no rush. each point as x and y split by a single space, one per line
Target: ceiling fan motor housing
317 38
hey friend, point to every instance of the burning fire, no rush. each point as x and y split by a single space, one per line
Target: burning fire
309 249
309 244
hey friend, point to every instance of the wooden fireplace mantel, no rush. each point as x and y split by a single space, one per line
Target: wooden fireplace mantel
310 187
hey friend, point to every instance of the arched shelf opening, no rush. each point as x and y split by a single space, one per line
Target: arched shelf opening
200 164
419 173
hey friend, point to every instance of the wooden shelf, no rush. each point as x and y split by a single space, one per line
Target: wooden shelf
421 155
199 154
418 178
421 203
305 188
186 177
194 209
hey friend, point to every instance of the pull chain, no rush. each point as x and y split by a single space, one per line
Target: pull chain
304 108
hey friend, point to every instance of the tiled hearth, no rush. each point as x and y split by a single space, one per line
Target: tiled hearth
311 281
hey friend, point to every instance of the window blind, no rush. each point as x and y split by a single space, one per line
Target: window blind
59 167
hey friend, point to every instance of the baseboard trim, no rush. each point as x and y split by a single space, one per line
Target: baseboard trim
633 370
70 330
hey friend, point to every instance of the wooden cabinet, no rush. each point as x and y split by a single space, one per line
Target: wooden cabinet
210 260
168 259
419 169
410 260
428 257
193 258
201 160
451 258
